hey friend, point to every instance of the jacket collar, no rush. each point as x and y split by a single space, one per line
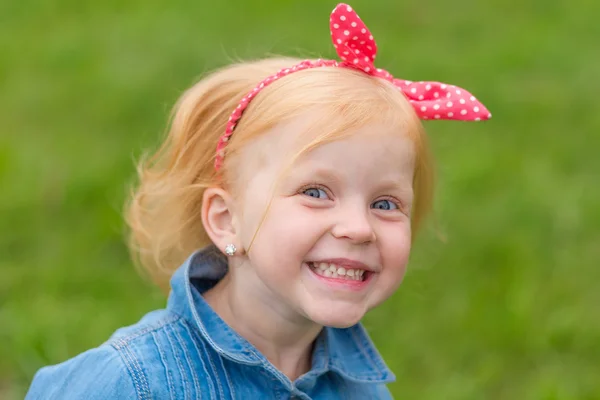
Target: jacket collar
349 351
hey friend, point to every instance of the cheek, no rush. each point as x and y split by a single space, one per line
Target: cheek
294 226
395 250
254 211
288 231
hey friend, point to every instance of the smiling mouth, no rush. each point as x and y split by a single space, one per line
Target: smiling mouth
333 271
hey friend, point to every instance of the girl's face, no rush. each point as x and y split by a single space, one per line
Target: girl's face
336 236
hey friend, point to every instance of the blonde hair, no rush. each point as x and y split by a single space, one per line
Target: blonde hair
164 212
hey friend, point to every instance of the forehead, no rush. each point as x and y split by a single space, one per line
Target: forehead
370 145
310 141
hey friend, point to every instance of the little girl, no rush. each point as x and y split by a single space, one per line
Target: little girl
281 209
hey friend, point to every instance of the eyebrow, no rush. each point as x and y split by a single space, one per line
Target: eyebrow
397 186
315 170
325 173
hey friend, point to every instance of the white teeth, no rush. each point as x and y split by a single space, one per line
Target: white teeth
333 271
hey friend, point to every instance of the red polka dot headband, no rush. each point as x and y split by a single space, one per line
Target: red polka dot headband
357 49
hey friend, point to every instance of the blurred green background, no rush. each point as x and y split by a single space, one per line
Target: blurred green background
502 297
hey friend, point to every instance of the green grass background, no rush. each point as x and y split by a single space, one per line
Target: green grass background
502 298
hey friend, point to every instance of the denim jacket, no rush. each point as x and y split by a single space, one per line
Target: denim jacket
187 351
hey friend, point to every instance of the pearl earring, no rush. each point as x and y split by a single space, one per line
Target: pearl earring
230 249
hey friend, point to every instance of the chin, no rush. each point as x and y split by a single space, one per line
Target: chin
333 319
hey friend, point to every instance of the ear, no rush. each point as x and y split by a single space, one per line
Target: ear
218 218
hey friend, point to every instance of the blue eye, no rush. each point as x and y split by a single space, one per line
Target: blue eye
316 193
384 205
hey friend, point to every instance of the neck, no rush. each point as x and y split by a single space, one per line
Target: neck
283 337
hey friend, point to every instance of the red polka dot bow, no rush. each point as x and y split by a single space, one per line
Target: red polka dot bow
432 100
357 49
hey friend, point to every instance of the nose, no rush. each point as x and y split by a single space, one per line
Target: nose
353 223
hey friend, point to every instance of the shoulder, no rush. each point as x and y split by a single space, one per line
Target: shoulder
96 374
130 365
